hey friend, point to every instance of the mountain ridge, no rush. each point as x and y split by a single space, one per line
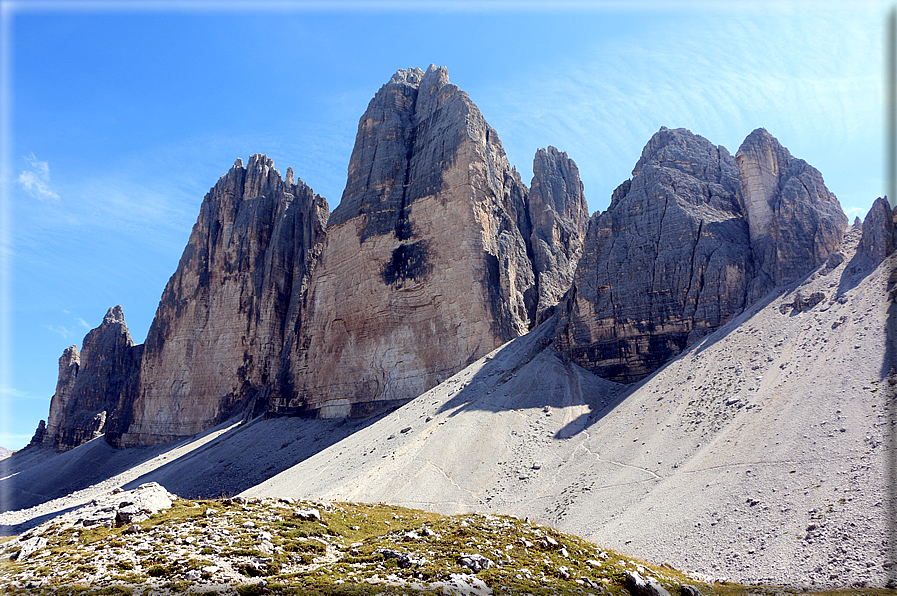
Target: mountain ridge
450 337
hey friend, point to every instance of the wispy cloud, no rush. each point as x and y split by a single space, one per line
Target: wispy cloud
36 179
60 329
82 323
11 393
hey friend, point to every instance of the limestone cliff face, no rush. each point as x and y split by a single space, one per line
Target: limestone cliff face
795 222
559 216
877 240
425 267
690 241
666 263
92 383
217 336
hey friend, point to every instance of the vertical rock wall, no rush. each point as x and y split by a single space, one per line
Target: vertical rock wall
92 383
690 241
559 216
425 267
666 263
217 336
795 221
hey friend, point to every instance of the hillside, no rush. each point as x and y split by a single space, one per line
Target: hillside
281 546
756 456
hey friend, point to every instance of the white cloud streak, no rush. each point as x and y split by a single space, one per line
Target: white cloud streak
36 179
60 330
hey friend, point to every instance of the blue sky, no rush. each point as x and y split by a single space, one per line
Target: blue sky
118 117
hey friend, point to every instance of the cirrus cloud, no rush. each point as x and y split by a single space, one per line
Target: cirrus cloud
36 179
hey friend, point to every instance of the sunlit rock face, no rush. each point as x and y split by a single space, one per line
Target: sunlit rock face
238 291
795 222
426 265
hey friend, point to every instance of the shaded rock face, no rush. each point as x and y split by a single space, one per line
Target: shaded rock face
426 266
877 240
217 336
690 241
795 222
559 216
667 262
91 384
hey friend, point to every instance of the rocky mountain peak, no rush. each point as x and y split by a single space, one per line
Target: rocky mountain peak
877 240
225 314
558 215
115 316
689 242
408 76
692 154
429 260
795 222
92 384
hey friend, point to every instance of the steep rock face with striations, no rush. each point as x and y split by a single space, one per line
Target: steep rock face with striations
219 330
559 215
92 383
795 222
690 241
877 241
666 263
426 265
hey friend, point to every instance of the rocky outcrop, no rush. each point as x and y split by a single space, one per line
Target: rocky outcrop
877 241
668 261
690 241
559 215
426 264
795 222
91 384
237 293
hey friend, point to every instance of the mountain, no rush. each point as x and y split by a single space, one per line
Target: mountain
428 261
437 254
756 455
237 294
94 385
691 240
698 375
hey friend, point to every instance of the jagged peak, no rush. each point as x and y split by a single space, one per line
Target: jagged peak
114 315
681 149
407 76
760 139
260 160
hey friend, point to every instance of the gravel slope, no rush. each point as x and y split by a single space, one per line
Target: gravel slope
757 455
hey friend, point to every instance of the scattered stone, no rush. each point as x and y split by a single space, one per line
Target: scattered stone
30 546
640 586
404 559
309 514
475 562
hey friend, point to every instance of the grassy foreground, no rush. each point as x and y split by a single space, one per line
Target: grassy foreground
279 546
